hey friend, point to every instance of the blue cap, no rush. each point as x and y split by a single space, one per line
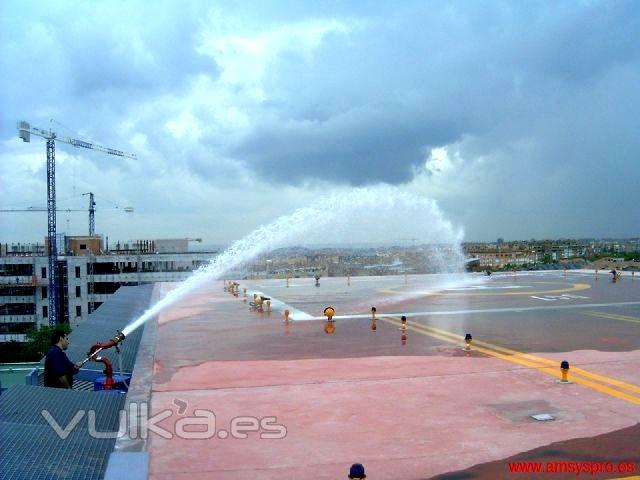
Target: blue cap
357 471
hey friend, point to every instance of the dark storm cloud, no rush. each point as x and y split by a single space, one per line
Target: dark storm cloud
583 43
378 143
372 102
144 58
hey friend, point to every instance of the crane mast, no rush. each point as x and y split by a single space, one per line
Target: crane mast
24 132
52 247
92 214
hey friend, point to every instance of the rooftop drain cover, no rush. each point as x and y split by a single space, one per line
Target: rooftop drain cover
543 417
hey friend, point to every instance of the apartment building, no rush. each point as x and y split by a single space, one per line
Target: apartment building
87 277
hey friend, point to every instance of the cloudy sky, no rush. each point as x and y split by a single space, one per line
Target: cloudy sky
520 119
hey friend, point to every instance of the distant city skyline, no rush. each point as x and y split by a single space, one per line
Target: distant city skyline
519 120
630 244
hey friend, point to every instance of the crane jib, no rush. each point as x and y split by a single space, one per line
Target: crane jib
90 146
80 143
115 152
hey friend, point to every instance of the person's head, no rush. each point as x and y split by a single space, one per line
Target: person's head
357 471
60 339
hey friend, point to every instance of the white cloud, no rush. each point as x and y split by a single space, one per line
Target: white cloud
245 57
501 112
185 124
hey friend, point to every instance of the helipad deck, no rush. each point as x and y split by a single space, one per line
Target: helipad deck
407 403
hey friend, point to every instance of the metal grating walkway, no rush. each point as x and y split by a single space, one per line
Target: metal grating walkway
31 449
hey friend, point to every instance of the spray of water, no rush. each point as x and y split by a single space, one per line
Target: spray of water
381 215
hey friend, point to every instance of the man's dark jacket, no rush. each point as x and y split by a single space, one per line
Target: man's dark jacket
57 365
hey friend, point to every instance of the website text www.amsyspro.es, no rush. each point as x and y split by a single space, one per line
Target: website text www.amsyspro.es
576 468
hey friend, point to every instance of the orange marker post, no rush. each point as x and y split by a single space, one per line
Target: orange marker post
330 326
329 312
564 367
467 340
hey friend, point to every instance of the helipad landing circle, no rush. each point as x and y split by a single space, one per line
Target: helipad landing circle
565 288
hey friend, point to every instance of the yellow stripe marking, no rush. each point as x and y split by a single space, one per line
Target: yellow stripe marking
613 316
534 358
545 365
542 360
548 361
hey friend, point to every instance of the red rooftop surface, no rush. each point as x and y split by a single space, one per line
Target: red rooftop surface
406 402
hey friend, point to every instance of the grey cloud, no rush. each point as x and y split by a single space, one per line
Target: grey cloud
546 92
106 58
371 102
583 43
370 145
145 60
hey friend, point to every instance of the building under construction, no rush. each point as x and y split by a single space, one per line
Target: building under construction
88 272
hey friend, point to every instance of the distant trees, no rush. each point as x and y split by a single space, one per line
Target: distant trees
36 346
627 256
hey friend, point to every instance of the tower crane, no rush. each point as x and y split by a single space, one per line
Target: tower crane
92 214
92 211
24 132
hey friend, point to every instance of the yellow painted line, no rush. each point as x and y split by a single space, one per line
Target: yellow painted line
541 360
613 316
576 287
554 363
547 365
530 361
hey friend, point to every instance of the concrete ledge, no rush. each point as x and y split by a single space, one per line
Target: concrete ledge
131 465
141 380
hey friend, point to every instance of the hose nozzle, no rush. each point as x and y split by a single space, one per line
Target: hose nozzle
118 338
